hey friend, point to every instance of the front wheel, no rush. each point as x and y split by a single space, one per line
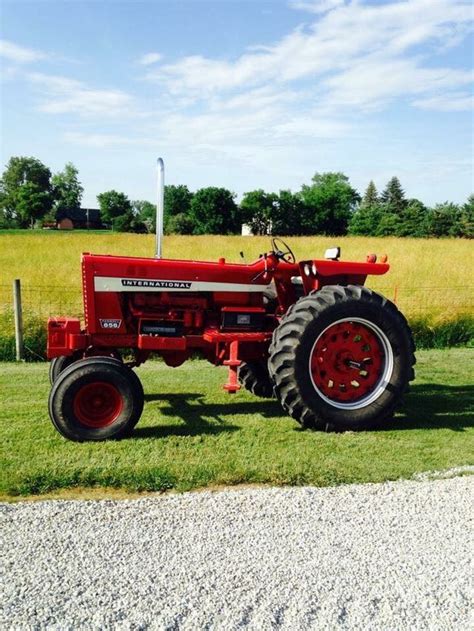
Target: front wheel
342 359
58 364
95 399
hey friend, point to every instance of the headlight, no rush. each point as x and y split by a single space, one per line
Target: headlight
332 253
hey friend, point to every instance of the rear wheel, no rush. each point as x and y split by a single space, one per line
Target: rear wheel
342 359
254 377
95 399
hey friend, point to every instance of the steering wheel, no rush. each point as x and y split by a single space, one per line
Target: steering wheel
285 254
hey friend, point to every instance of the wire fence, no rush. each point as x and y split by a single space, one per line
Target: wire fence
429 302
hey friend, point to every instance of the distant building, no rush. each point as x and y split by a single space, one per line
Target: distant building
81 218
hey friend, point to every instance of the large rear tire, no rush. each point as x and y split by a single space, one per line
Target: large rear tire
255 378
96 398
342 359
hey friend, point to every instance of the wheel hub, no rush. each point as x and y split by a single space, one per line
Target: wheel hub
347 361
97 404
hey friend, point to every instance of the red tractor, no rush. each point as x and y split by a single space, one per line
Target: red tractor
334 353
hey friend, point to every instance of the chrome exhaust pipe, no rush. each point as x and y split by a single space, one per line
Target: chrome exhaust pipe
160 207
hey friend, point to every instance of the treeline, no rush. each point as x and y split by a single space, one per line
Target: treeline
30 195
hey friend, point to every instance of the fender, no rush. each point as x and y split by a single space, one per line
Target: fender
320 272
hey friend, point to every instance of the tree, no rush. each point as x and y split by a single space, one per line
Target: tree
114 205
145 213
67 190
258 210
25 191
329 202
289 214
414 220
180 224
393 197
214 211
389 225
443 220
466 219
365 219
371 196
177 199
32 204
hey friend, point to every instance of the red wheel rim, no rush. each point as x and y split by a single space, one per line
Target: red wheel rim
97 404
349 361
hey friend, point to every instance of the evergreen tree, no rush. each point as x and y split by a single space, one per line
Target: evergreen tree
389 225
466 219
393 204
371 196
414 220
393 197
365 219
443 220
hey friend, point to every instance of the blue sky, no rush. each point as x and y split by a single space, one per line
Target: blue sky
242 94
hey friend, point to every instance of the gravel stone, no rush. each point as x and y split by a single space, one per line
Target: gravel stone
376 556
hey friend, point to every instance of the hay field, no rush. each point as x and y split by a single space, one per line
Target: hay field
429 278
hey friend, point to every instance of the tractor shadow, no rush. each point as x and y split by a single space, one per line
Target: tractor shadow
435 406
427 406
200 417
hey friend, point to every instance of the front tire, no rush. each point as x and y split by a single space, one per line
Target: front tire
96 398
342 359
58 364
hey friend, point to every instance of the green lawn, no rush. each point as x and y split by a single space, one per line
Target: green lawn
193 434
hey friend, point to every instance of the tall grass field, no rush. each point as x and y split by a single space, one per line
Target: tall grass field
430 279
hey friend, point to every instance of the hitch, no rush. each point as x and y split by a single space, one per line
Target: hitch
233 385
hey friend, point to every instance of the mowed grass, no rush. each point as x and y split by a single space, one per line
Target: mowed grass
192 434
431 278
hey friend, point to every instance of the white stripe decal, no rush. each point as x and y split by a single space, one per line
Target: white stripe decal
110 283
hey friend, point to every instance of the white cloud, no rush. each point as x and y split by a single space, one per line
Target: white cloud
63 95
334 43
150 58
101 141
316 6
449 102
20 54
376 80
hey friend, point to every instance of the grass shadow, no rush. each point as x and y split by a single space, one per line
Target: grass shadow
435 406
200 417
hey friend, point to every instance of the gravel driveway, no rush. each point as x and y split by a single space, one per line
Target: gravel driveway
378 556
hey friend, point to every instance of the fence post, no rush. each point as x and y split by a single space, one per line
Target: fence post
19 347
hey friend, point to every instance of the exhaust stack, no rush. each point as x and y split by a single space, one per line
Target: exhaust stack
160 206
